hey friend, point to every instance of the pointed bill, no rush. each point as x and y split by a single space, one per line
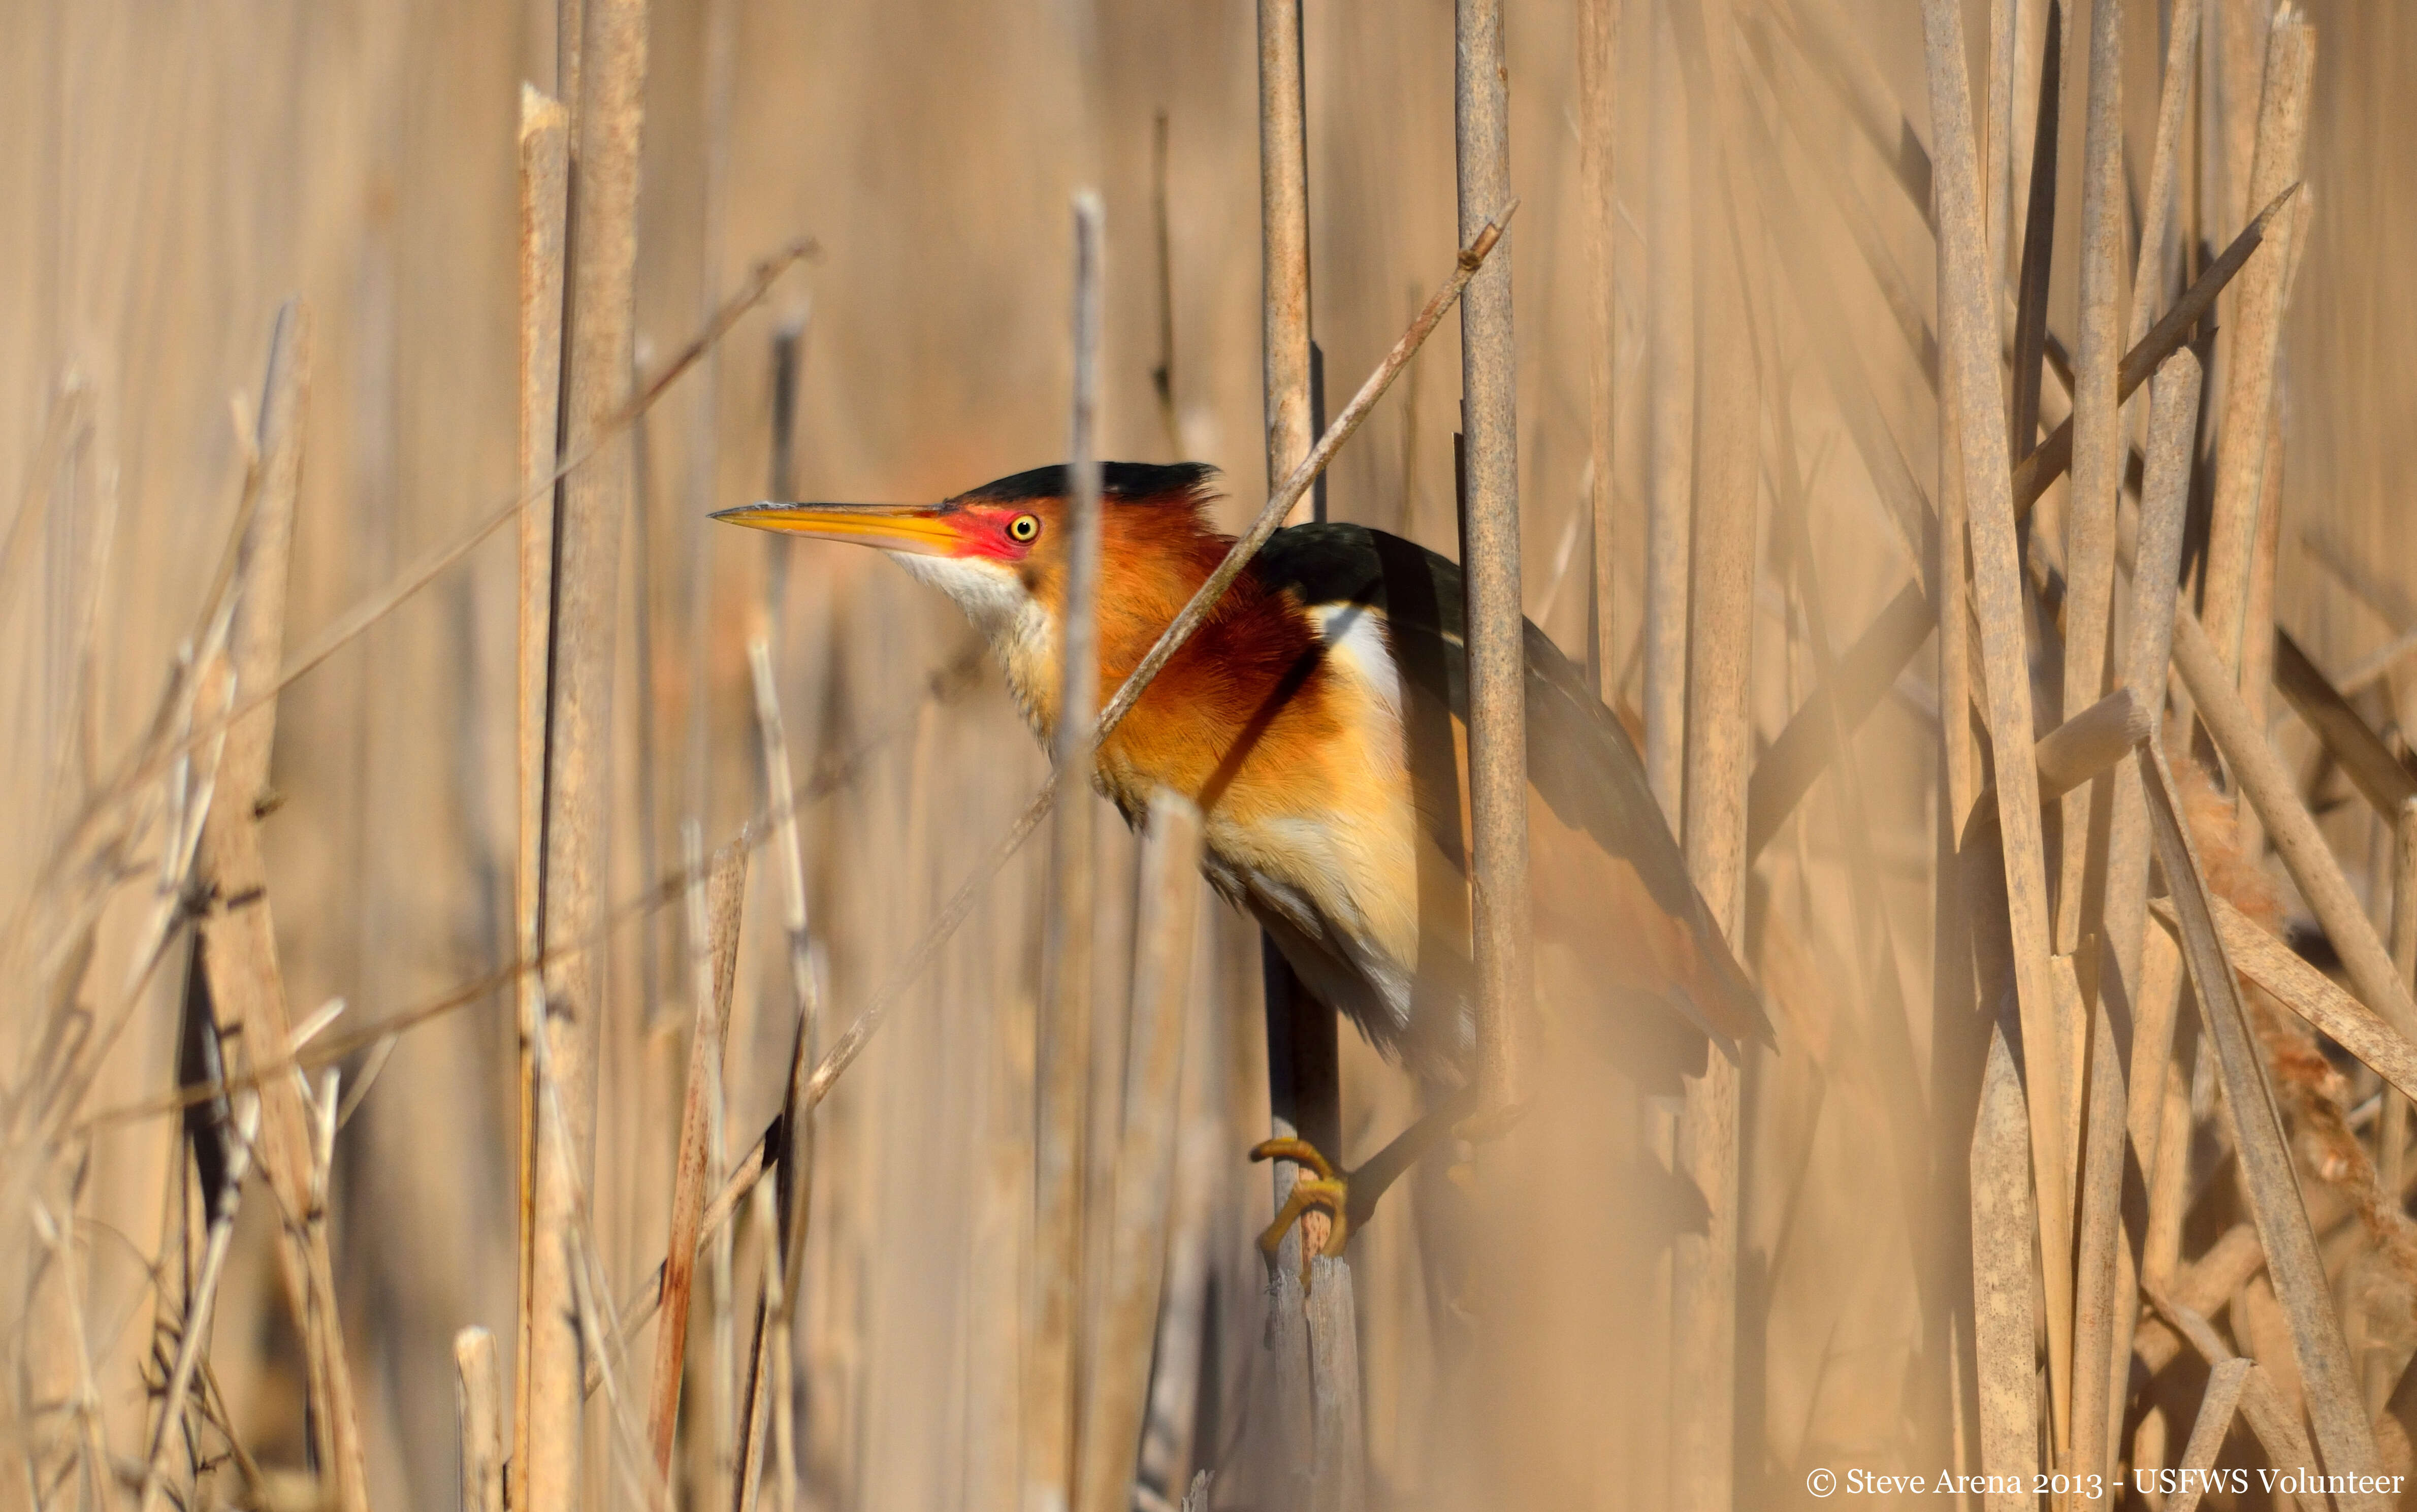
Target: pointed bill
924 530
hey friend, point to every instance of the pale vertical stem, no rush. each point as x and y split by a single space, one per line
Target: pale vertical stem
1497 745
1670 501
595 501
703 444
545 181
2159 224
2169 1178
2249 388
698 1172
1969 351
1719 754
2098 1291
1064 1062
795 1185
1598 114
1118 1380
2099 449
2391 1126
2157 576
480 1399
1284 241
1997 191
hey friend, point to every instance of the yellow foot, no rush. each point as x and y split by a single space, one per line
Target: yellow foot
1322 1191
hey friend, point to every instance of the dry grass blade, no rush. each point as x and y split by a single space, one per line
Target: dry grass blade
2380 777
1284 240
2308 992
479 1398
195 1327
715 928
1117 1381
2205 1285
2216 1406
1971 363
2276 798
2262 1406
2323 1355
1809 742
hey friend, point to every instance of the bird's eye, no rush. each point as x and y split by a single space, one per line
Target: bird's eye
1023 527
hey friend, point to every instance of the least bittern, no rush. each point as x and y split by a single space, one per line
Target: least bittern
1318 719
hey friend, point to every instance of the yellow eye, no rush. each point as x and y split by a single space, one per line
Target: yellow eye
1023 527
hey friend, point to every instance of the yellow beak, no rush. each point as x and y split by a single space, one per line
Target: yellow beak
923 529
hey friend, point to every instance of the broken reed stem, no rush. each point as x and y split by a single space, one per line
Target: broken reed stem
713 933
2249 391
544 187
1968 352
1497 745
2216 1407
193 1328
1284 240
2275 966
578 788
1671 359
479 1402
2314 868
1052 1347
1117 1381
1598 63
2273 1421
2343 1429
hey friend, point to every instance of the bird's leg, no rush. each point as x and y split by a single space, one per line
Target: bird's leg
1347 1198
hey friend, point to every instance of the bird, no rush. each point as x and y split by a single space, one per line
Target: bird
1318 718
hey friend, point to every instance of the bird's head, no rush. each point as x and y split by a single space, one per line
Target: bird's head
1000 550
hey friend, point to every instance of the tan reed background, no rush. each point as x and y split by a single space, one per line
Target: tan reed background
173 173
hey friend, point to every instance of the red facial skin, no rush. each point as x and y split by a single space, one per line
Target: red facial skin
987 531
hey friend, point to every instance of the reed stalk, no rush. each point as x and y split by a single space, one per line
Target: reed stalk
2249 393
1968 352
479 1404
544 185
1116 1387
1052 1354
602 253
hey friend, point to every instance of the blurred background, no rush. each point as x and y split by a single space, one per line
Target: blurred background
174 169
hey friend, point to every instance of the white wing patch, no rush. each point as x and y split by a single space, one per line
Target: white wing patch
1355 637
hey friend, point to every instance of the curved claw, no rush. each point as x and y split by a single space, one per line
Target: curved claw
1321 1187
